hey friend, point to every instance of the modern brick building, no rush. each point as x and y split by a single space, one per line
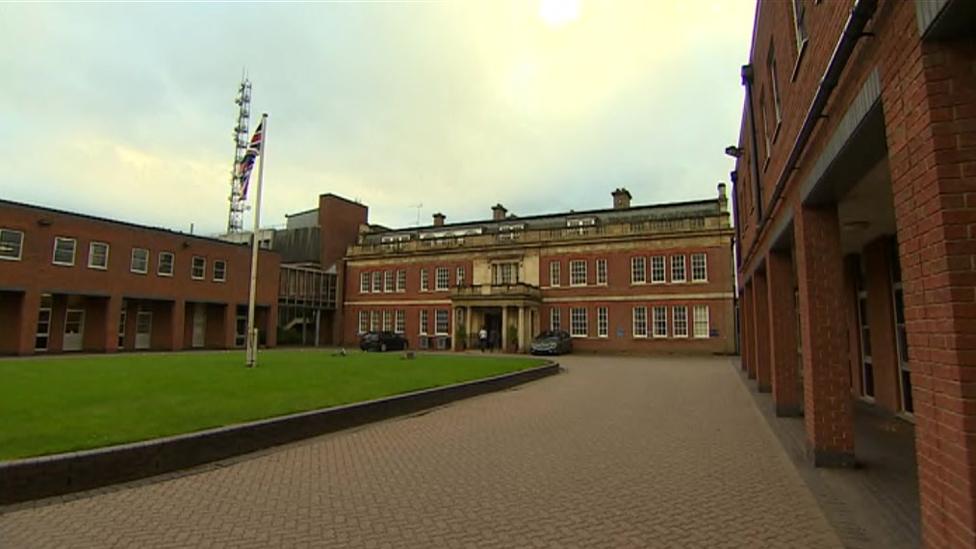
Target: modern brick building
855 194
72 282
652 278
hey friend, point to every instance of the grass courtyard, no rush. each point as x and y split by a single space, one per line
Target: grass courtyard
52 405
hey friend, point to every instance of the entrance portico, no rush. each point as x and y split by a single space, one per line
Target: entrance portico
510 313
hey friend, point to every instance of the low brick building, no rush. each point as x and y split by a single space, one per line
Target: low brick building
71 282
654 278
855 194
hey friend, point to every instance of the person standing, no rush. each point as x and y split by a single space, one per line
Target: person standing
483 339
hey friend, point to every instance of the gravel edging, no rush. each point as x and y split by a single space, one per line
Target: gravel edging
35 478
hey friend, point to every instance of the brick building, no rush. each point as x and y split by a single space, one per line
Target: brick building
71 282
855 195
652 278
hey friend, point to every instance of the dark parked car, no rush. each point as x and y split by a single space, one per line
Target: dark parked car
382 341
552 343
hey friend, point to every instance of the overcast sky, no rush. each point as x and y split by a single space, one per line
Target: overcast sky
126 111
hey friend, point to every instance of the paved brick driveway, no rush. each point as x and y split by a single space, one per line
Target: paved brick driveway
617 452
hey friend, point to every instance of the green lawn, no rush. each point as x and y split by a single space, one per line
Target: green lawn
51 405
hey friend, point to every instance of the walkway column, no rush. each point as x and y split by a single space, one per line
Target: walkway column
828 410
30 303
929 103
177 325
749 330
504 334
782 334
760 311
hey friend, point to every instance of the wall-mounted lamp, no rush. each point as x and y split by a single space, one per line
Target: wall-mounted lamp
186 244
733 151
44 222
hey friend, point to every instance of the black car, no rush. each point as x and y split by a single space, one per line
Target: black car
554 342
382 341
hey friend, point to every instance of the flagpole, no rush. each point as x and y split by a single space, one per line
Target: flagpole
252 331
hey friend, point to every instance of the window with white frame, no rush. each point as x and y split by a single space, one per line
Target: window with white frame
11 244
657 269
678 268
441 320
377 282
98 255
554 321
140 261
401 321
401 285
363 322
423 321
638 275
64 251
459 276
505 273
374 321
701 320
601 271
577 272
364 283
165 266
388 281
198 268
443 278
699 267
220 270
602 322
679 322
800 26
554 274
577 322
387 321
774 86
660 322
640 321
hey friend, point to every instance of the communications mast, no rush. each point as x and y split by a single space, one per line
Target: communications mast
235 218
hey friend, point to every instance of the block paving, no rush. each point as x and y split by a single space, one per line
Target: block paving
616 452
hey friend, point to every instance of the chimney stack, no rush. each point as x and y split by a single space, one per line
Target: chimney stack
621 198
723 200
498 212
439 219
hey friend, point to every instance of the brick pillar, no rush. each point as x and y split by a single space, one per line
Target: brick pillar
852 270
750 330
228 325
177 325
271 338
881 321
760 312
743 331
30 302
113 314
828 409
782 334
930 111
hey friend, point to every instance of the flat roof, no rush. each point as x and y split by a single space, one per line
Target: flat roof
170 232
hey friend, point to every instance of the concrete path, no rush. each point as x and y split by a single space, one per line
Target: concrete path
617 452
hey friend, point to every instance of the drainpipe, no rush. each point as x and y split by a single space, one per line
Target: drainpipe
858 19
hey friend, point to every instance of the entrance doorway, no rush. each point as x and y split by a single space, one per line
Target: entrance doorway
493 323
199 324
74 329
143 329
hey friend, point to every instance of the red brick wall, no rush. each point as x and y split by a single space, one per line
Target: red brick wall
339 221
35 273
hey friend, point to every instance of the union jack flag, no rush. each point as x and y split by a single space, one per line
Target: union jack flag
250 157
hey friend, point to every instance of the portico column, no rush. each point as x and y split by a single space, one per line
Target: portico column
504 337
467 322
521 328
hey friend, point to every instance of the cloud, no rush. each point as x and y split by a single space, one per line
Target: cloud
126 110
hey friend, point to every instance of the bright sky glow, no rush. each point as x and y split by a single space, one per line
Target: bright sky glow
126 110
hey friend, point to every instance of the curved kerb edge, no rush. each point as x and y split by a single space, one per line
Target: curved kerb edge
35 478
